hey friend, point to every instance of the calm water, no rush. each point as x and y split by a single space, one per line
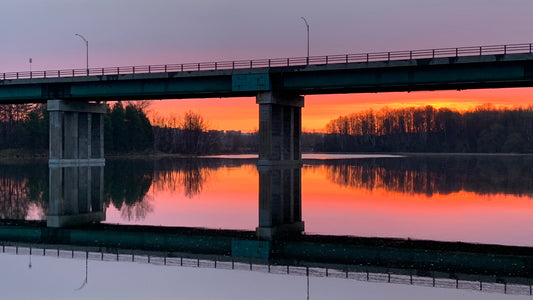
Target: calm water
480 199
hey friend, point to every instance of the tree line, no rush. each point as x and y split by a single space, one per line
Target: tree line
414 129
426 129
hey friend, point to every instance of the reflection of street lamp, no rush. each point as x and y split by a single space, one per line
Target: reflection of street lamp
86 272
87 50
307 26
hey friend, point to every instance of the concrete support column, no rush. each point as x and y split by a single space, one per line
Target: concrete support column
279 165
76 133
280 123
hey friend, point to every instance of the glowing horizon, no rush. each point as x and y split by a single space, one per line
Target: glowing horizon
241 114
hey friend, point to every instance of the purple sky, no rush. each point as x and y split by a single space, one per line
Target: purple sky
134 32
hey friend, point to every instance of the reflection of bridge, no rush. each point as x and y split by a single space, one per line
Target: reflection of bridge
489 268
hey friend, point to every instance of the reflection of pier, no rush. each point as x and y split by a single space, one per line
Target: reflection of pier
76 163
490 268
76 195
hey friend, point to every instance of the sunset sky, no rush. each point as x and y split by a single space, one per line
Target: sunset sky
135 32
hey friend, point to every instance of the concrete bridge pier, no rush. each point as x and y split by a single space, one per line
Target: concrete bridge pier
76 132
76 163
279 165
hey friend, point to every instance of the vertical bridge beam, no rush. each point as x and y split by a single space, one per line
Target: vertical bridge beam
76 163
279 165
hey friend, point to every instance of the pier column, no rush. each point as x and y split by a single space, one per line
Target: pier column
280 126
279 165
76 163
76 132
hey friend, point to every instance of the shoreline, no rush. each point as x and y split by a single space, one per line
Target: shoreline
23 155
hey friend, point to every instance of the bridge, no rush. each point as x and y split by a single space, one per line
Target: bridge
76 130
76 125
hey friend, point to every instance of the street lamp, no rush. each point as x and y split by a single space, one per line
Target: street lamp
307 26
87 50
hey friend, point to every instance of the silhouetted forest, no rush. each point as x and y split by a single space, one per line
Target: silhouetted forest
426 129
485 129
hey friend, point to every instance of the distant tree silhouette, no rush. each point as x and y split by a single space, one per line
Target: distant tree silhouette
426 129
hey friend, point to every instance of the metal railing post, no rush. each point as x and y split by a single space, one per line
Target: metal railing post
410 55
456 52
388 56
480 51
433 53
367 57
346 58
505 49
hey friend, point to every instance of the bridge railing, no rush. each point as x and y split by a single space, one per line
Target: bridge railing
278 62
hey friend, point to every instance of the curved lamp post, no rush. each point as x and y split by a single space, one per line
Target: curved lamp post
307 26
87 50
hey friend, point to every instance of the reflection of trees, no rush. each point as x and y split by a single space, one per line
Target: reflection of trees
187 174
429 175
126 183
23 187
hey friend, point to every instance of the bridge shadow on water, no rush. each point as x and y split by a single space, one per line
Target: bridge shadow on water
75 201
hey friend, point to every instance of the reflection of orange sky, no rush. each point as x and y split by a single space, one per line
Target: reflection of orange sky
242 113
229 200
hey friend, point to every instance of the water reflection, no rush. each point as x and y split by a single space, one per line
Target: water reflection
126 186
23 191
76 195
487 197
443 175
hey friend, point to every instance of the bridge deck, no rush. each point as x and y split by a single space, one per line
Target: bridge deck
436 69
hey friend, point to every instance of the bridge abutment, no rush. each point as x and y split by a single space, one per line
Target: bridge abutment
76 163
279 165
